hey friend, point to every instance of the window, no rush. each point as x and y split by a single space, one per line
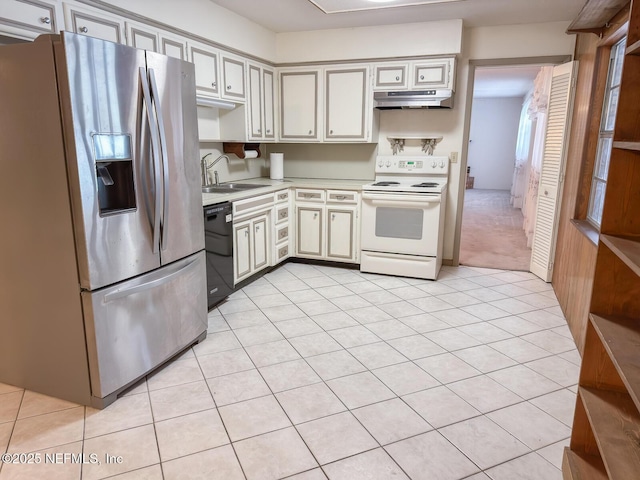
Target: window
605 136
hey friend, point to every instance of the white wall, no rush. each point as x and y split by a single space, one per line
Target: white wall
412 39
206 19
492 141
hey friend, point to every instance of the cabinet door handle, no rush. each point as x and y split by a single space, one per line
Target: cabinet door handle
45 20
83 29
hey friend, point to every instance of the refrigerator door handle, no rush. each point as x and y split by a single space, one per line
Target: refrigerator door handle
110 297
165 161
155 148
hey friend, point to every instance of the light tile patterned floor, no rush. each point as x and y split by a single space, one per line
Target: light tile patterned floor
315 372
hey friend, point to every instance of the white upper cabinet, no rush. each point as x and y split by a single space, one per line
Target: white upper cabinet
205 60
142 36
261 116
233 78
94 23
347 104
29 18
433 73
299 102
391 76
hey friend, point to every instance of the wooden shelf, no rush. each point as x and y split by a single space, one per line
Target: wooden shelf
633 49
594 16
615 423
633 146
626 249
580 466
621 339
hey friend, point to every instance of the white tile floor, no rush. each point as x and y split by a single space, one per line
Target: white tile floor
316 372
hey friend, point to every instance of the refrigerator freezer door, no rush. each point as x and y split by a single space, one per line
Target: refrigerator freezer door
136 325
172 84
112 179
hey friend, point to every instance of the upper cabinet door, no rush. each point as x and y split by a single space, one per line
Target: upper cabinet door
346 104
299 101
94 23
268 98
29 18
435 73
391 77
205 60
255 102
142 36
233 76
173 46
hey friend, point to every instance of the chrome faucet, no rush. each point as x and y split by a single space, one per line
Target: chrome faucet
205 169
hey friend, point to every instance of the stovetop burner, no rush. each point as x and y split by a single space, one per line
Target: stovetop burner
425 184
385 184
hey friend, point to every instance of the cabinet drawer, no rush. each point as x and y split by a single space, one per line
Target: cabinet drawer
282 213
245 207
282 196
308 195
341 196
282 233
390 77
283 252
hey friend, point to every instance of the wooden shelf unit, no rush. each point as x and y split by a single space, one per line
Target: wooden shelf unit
605 440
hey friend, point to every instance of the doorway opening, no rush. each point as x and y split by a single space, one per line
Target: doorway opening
503 165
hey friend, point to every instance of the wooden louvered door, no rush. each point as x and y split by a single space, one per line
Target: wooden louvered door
552 172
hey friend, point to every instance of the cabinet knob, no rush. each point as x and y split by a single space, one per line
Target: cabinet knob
259 130
421 77
45 20
268 130
333 217
246 233
228 87
213 84
315 215
330 132
310 132
341 197
257 228
83 29
397 78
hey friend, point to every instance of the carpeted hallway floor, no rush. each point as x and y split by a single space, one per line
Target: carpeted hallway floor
492 234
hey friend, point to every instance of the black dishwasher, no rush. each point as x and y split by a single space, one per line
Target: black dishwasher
218 241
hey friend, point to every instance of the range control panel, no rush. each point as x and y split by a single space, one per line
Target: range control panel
418 165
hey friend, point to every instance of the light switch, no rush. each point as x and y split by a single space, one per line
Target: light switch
454 157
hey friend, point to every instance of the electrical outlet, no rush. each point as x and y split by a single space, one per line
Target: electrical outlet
454 157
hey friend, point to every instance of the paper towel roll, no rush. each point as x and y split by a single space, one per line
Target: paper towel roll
276 161
250 154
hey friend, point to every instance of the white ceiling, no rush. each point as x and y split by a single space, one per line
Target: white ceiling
491 82
300 15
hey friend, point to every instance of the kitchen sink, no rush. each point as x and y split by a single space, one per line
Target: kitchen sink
230 187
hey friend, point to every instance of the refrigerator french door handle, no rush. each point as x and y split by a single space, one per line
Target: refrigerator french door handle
110 297
163 156
155 148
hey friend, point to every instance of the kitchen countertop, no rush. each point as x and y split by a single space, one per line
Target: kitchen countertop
275 185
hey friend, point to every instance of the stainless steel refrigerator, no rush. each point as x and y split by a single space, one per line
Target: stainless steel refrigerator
102 274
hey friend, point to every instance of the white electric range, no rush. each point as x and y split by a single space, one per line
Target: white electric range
403 214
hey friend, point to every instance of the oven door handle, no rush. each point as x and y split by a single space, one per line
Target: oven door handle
391 200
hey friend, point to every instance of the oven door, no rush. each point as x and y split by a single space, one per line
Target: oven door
400 223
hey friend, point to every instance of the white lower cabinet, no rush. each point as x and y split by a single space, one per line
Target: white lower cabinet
327 225
251 246
341 233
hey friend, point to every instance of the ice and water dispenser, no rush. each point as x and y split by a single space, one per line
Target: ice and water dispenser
114 172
